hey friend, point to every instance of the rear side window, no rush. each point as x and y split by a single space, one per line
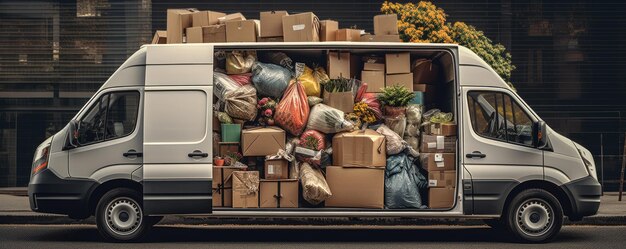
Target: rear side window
496 115
113 115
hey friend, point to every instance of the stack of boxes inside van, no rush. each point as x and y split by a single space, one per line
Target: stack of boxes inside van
316 132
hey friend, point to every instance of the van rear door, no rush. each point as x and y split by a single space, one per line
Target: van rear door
177 170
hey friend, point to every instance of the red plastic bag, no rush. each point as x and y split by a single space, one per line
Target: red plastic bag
241 79
292 112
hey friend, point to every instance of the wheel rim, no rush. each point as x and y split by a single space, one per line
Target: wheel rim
535 217
123 216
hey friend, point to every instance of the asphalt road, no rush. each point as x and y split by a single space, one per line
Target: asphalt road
86 236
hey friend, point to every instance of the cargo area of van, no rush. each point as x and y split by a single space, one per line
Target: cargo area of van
334 128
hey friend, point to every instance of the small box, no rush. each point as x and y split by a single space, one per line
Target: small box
206 18
447 129
398 63
373 66
177 21
272 23
356 187
214 33
403 79
380 38
279 193
375 80
302 27
441 197
338 65
276 169
328 30
231 17
222 185
362 148
231 133
271 39
194 35
242 31
225 147
160 37
437 144
445 178
438 161
262 141
386 24
343 101
348 35
245 189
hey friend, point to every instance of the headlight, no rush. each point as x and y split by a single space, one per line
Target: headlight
587 158
40 161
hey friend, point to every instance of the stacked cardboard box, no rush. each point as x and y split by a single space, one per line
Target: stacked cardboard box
338 65
177 21
303 27
426 75
223 186
398 71
348 35
374 75
438 157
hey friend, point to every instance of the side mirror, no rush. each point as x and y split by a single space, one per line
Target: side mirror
541 136
72 136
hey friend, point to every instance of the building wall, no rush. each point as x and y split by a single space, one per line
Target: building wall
55 54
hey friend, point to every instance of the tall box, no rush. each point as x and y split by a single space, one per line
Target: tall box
338 65
245 189
348 35
278 193
438 161
177 21
362 148
446 178
222 185
442 198
242 31
205 18
160 37
437 144
386 24
356 187
398 63
403 79
262 141
302 27
276 168
328 30
272 23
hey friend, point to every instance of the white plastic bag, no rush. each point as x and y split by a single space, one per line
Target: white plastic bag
328 120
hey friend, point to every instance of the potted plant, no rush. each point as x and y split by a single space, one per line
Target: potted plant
218 161
395 99
232 157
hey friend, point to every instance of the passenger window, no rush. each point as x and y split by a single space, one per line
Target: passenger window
113 115
497 115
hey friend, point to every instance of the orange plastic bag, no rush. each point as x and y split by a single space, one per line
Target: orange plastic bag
292 112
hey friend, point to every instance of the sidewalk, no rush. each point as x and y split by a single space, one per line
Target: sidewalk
15 209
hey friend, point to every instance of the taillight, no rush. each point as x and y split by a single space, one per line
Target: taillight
41 159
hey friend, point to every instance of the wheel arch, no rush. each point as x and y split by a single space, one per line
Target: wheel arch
552 188
105 187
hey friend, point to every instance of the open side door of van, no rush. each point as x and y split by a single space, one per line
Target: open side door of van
177 141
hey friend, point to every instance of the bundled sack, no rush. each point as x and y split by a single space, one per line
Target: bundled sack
315 189
328 120
311 85
314 142
223 84
242 79
414 114
319 73
402 183
395 144
314 100
292 112
396 124
270 80
238 62
241 103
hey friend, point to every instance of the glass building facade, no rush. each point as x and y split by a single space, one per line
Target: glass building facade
570 58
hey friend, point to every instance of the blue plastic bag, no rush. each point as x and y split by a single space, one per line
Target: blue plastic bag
402 183
270 80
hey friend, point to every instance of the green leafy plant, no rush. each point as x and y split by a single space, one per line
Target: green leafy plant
338 85
396 96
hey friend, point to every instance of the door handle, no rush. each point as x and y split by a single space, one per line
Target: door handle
197 153
475 154
131 153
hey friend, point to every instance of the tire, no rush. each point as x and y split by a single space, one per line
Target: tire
119 216
534 216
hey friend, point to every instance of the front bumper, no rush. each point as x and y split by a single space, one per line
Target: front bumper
48 193
584 195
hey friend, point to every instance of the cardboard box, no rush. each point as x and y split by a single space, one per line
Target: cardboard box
442 179
279 193
403 79
348 35
437 144
302 27
375 80
380 38
362 148
194 35
160 37
271 39
386 24
245 189
262 141
231 17
338 65
356 187
231 132
272 23
441 197
222 185
373 66
438 161
206 18
276 169
343 101
328 30
447 129
425 72
215 33
398 63
177 21
225 147
242 31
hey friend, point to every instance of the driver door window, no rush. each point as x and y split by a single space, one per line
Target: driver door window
113 115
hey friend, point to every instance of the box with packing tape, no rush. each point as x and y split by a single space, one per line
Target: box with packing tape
245 189
438 161
445 129
303 27
281 193
434 144
441 197
272 23
356 187
276 168
445 178
177 21
262 141
222 185
242 30
338 65
362 148
398 63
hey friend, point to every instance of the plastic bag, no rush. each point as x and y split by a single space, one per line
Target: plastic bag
315 141
314 100
242 79
314 186
279 58
292 112
223 84
402 183
311 86
412 130
238 62
328 120
241 103
224 118
414 114
319 73
270 80
394 142
267 108
413 142
396 124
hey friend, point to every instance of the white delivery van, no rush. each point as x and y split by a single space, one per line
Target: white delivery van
141 147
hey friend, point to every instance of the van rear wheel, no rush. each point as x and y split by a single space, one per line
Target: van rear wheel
534 216
119 216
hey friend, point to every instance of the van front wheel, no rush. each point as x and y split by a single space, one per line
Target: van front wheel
119 216
534 216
